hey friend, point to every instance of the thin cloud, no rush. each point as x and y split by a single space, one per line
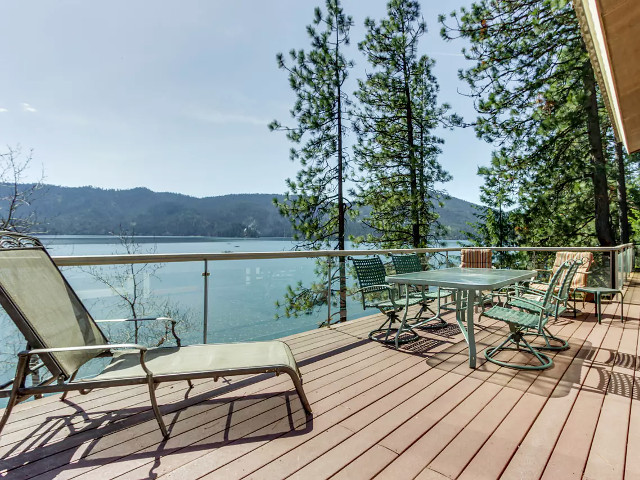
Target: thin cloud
2 110
28 108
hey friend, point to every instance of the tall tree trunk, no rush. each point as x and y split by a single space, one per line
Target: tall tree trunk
341 219
415 213
604 230
622 196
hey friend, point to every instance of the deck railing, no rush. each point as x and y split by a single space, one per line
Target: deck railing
615 262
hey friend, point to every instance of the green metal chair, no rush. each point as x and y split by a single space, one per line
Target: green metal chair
532 301
61 333
376 293
521 323
410 263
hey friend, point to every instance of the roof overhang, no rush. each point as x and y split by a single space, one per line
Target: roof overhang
611 31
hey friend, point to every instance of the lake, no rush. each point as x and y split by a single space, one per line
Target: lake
242 293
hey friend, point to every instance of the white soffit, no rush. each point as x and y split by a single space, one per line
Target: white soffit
611 30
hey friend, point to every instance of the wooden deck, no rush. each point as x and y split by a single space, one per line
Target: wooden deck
416 413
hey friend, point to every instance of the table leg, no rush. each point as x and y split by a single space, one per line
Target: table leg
404 320
621 305
599 307
471 338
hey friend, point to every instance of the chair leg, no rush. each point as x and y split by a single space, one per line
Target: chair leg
18 381
517 337
154 405
71 379
391 318
547 335
297 382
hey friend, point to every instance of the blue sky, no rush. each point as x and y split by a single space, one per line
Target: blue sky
176 96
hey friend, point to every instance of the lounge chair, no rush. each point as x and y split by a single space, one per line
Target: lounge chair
61 332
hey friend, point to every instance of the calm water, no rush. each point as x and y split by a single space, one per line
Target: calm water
242 294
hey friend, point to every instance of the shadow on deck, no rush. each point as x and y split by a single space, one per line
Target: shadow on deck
417 412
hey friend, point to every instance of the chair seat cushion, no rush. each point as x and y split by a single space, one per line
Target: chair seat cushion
250 356
515 317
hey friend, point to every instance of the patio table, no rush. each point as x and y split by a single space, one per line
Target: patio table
462 280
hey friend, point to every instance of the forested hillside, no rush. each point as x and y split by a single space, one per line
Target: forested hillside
94 211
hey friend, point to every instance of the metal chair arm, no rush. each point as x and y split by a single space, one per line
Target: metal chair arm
38 351
375 288
530 302
144 319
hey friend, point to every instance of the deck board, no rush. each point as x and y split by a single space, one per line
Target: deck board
419 412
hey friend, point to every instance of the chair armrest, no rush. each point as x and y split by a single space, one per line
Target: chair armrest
37 351
142 319
526 300
584 273
370 288
27 353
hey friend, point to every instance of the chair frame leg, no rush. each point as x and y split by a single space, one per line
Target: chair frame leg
516 337
392 317
18 382
297 382
547 335
154 405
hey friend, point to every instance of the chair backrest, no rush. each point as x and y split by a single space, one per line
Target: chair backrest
549 297
581 276
370 272
43 305
406 263
475 258
567 280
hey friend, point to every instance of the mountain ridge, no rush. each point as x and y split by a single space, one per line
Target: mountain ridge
96 211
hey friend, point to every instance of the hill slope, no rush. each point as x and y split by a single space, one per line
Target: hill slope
95 211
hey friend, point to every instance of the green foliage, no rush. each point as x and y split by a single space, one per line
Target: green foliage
397 151
314 202
534 91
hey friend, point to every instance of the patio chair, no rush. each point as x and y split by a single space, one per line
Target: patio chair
478 258
531 301
475 258
579 280
62 334
410 263
521 323
376 293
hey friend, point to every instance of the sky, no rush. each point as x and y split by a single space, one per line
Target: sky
176 96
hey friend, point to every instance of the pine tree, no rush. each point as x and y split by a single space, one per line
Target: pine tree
314 202
536 96
397 150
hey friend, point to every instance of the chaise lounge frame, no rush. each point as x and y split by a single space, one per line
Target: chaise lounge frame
62 334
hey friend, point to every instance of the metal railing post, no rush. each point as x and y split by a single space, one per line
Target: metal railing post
328 291
446 259
205 320
612 269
